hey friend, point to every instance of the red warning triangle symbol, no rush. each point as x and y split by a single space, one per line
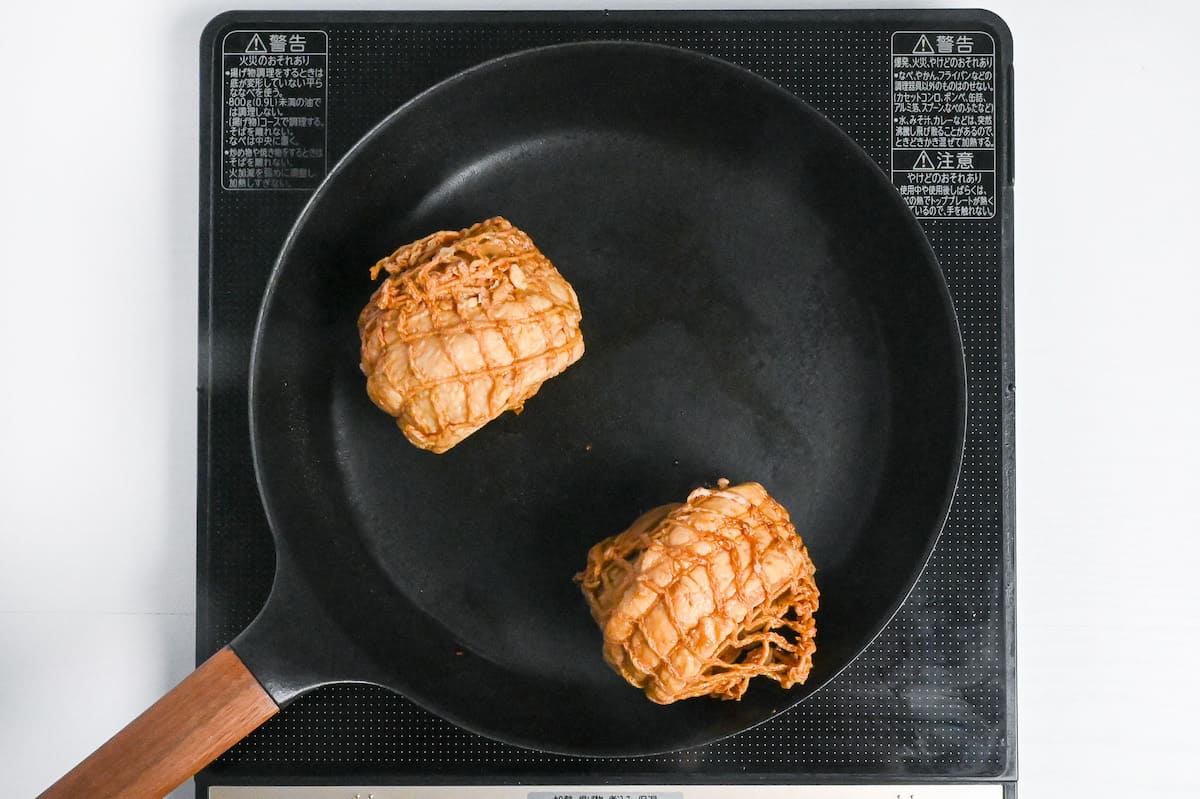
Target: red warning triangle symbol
256 45
923 45
924 161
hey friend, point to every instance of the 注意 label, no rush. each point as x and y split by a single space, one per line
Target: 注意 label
273 109
944 123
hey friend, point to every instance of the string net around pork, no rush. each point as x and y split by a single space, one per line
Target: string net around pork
697 599
468 324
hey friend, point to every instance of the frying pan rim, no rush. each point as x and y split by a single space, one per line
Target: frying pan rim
813 115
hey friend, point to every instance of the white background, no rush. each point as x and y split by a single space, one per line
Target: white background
98 214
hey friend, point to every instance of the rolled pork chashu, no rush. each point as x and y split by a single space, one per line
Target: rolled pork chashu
697 599
468 324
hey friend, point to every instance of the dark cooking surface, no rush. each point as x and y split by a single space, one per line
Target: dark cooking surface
758 303
928 698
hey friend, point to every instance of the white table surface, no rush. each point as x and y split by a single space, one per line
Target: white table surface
98 211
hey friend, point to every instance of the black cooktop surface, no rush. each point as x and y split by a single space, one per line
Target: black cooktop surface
926 94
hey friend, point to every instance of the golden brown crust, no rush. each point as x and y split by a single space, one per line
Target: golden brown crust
467 324
697 599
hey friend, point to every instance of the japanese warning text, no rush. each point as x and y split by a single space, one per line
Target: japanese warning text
273 109
944 123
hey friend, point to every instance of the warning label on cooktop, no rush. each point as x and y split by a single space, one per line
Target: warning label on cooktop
274 88
944 123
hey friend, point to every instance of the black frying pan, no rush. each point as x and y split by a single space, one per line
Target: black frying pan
758 305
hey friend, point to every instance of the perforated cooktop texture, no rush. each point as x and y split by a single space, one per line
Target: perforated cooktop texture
932 697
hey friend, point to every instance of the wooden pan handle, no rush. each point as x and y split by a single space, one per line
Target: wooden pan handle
214 707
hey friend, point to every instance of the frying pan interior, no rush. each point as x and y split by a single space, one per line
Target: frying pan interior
758 305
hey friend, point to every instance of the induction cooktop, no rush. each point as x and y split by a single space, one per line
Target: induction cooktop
928 710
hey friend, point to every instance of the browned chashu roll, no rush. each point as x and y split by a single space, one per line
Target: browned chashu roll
467 324
697 599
